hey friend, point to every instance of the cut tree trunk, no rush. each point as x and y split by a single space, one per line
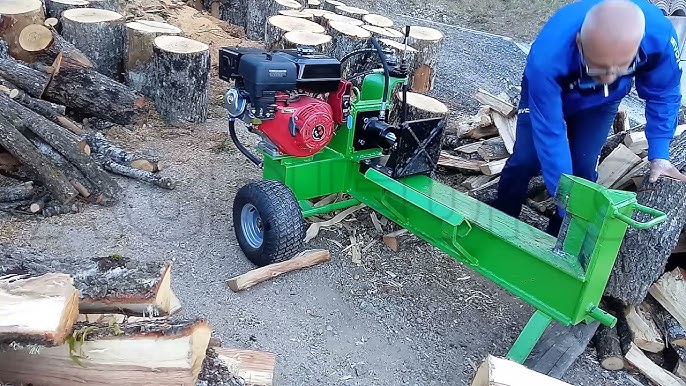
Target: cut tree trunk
402 51
278 25
428 41
100 35
151 352
377 20
14 16
44 45
495 371
321 42
183 68
303 14
347 38
608 348
232 11
330 5
19 192
419 106
258 11
140 37
383 33
37 310
319 16
52 111
55 8
107 284
331 16
65 143
100 145
110 5
11 71
643 254
22 149
352 12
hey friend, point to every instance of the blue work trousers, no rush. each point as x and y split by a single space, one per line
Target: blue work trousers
587 132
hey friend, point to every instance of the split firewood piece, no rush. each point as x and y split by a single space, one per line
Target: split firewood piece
676 333
52 111
493 167
352 12
496 371
293 39
616 165
377 20
255 368
140 37
64 142
329 17
99 34
259 11
330 5
644 329
19 192
446 159
428 41
305 14
504 107
651 370
278 25
670 291
22 149
75 177
391 239
507 128
55 8
107 284
313 229
44 45
150 352
419 106
14 16
493 149
101 145
183 69
473 182
302 260
38 310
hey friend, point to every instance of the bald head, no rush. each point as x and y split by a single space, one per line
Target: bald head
610 35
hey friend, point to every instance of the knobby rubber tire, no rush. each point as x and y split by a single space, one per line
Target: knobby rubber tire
283 225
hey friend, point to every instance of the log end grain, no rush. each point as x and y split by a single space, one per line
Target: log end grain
302 38
305 14
425 33
35 37
329 17
377 20
92 15
290 23
383 32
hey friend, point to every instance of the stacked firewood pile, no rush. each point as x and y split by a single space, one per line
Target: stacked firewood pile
69 69
109 320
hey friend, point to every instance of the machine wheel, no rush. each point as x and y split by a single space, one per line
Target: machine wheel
268 222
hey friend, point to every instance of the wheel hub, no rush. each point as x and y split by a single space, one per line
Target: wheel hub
251 224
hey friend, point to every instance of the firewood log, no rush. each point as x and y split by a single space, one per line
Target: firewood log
20 147
258 11
278 25
140 35
156 179
329 17
303 14
44 44
377 20
14 16
293 39
64 142
107 284
495 371
55 8
330 5
99 144
232 11
149 352
11 71
37 310
319 16
75 177
419 106
347 38
52 111
182 66
99 34
429 42
352 12
23 191
383 33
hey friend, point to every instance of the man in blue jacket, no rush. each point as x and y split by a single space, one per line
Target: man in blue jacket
579 68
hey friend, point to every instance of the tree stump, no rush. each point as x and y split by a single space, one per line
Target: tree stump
182 67
99 34
321 42
330 5
401 51
110 5
329 17
429 42
352 12
305 14
643 254
384 33
319 16
45 44
347 38
14 16
140 35
419 106
278 25
55 8
258 12
377 20
232 11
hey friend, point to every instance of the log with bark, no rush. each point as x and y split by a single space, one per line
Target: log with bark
232 11
18 192
45 44
331 16
65 143
55 8
428 41
150 352
278 25
74 176
304 14
99 34
347 38
14 16
37 310
330 5
419 106
294 39
182 66
137 160
140 37
52 111
643 254
352 12
17 73
258 11
377 20
142 175
107 284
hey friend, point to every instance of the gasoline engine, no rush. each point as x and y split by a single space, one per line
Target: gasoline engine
293 98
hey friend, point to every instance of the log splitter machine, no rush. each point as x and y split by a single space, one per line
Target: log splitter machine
321 135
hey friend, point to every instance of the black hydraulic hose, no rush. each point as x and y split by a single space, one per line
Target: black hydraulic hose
356 52
232 132
387 76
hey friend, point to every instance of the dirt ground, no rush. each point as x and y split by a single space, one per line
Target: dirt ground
416 317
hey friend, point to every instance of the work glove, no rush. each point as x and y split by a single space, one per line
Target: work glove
662 167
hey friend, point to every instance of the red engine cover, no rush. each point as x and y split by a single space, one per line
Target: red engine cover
301 127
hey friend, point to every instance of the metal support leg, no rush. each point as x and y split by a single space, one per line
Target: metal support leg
529 336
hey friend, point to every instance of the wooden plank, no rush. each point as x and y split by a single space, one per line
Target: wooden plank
504 107
616 165
493 167
448 160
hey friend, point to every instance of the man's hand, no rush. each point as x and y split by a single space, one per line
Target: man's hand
662 167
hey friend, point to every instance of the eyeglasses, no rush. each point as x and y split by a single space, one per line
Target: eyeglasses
593 72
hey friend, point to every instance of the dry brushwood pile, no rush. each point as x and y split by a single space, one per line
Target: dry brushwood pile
104 320
647 288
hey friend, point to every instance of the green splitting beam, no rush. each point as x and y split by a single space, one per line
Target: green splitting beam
563 278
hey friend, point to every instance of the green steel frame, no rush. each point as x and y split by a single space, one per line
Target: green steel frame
563 278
